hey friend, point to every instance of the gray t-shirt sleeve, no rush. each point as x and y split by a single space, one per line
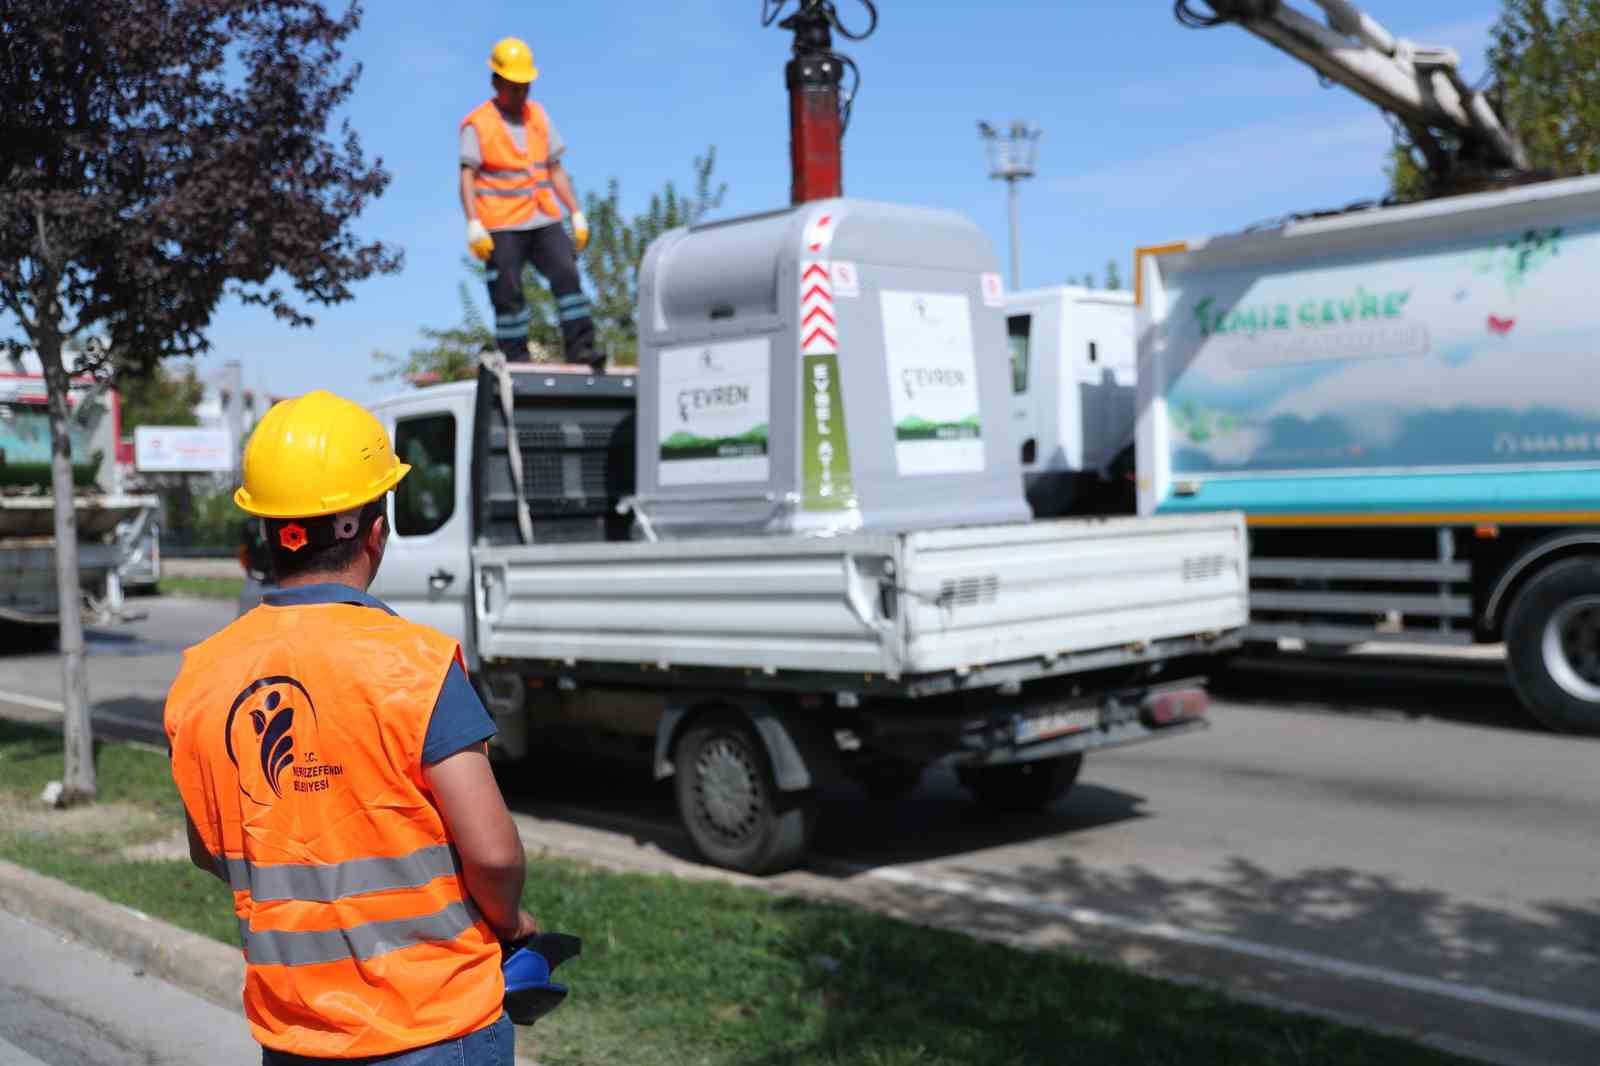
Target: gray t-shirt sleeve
471 153
557 145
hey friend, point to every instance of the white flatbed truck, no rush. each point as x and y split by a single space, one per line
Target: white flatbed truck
751 637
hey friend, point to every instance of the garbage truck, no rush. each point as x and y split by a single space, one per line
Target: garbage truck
1403 402
1400 397
794 548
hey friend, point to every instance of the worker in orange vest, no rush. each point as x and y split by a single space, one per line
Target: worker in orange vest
513 186
331 758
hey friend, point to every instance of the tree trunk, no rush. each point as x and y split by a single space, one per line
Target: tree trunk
78 776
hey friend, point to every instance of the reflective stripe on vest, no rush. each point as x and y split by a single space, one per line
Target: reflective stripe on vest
512 185
326 883
272 947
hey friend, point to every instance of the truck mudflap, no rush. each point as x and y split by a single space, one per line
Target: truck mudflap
1051 728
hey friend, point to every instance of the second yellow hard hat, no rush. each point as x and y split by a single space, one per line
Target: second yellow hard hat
316 454
512 59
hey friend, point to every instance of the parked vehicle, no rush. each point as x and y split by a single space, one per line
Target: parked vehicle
758 598
1073 364
1402 401
28 598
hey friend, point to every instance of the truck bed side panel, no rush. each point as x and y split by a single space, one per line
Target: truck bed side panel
780 603
998 594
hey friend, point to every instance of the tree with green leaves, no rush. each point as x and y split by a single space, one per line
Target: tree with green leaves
1544 62
617 244
159 397
1113 275
157 155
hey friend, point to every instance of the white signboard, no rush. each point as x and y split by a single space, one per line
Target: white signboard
933 382
713 412
182 450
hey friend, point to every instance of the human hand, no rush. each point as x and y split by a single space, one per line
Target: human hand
527 926
479 241
580 231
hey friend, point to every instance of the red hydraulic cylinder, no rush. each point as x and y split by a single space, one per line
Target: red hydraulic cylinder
815 129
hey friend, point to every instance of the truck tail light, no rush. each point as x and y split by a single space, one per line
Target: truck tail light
1174 705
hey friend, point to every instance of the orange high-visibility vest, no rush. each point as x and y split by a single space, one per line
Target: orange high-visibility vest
512 185
296 737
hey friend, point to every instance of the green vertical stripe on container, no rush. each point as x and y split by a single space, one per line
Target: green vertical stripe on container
825 466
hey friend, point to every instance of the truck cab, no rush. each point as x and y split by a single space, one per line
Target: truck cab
1073 364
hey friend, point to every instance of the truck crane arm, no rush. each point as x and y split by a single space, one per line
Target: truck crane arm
1421 86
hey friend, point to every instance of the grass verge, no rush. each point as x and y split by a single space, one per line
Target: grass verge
208 588
683 972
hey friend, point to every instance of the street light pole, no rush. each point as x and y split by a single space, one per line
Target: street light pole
1012 158
1016 251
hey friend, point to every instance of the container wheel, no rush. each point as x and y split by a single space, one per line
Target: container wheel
730 803
1022 786
1553 646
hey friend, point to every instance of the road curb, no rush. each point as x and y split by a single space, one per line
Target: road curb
211 970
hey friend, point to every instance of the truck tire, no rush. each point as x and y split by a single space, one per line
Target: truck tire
1553 646
729 800
1022 786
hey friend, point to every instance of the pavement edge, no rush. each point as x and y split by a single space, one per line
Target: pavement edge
209 969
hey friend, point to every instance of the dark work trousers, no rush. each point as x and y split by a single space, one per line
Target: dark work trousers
550 251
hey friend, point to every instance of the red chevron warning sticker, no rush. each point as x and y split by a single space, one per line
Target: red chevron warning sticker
819 331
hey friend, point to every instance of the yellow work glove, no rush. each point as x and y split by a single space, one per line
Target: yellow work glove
580 231
479 241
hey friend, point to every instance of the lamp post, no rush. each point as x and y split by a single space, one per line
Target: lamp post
1011 157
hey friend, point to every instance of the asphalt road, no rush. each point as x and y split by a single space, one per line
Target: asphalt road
1381 838
64 1004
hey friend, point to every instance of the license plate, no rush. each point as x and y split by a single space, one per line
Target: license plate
1057 723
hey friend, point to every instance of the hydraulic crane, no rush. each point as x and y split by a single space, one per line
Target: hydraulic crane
1453 125
819 113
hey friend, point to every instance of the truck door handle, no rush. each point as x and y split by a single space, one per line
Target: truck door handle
440 579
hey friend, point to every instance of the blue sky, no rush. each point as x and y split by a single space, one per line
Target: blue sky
1153 133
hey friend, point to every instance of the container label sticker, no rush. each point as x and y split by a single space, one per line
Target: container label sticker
825 465
713 412
846 281
933 382
994 290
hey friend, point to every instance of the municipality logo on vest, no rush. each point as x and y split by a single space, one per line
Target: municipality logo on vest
272 739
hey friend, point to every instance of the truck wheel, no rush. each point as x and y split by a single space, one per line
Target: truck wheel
1553 646
1022 786
730 803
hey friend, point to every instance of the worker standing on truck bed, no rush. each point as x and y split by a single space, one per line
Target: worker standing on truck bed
331 759
513 187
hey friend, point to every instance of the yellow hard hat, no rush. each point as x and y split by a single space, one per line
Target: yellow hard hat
512 59
316 454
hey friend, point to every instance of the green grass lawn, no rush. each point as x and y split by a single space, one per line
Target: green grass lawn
687 972
209 588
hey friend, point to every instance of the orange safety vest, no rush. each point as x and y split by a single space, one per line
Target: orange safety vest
296 737
512 185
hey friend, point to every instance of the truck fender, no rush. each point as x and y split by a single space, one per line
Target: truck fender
789 765
1533 558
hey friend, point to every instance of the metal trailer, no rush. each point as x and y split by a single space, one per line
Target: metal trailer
1403 402
27 556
